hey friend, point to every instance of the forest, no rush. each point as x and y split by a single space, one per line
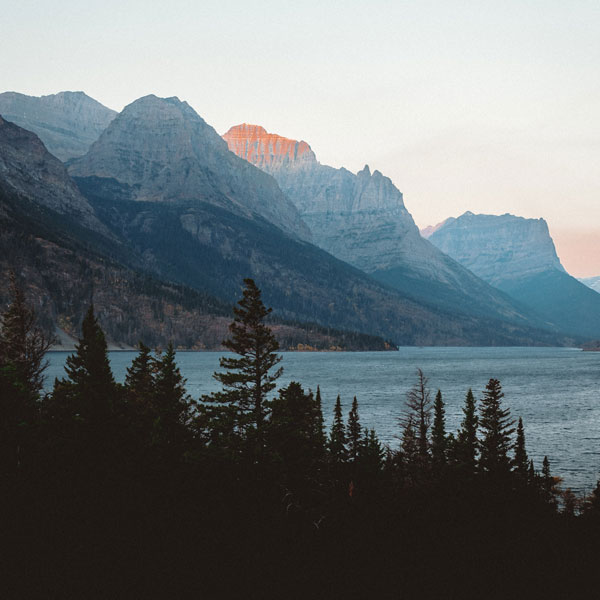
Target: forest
135 490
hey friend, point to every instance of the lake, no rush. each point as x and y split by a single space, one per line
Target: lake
555 390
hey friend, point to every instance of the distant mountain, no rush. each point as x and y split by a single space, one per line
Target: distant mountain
591 282
161 150
27 169
166 184
518 256
65 257
362 220
426 232
68 122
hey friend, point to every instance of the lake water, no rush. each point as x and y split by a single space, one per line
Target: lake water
555 390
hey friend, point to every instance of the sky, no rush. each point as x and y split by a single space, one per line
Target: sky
491 107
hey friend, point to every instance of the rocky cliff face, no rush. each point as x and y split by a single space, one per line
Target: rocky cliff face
498 248
165 152
361 219
518 256
28 170
68 122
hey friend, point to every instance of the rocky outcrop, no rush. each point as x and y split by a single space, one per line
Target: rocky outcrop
28 170
165 152
68 122
518 256
498 248
361 219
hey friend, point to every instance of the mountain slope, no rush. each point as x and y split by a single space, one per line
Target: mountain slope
68 122
518 256
362 220
166 184
29 170
65 257
165 152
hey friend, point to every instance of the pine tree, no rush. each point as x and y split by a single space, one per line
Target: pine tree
23 345
418 412
171 403
89 377
354 432
409 446
548 484
249 379
371 455
337 436
521 462
318 423
466 441
292 436
496 428
140 377
439 440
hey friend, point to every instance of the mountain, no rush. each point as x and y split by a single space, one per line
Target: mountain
591 282
361 219
27 169
65 257
167 186
161 150
518 256
68 122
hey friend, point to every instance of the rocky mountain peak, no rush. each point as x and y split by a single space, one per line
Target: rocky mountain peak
268 151
67 122
30 171
163 151
498 247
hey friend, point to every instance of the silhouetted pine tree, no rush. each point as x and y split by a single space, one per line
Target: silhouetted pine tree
337 435
354 432
521 462
496 428
140 377
249 378
548 484
171 405
293 437
439 441
466 445
371 454
23 345
418 412
592 506
318 423
89 376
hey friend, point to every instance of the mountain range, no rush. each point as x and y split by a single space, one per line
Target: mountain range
158 212
518 256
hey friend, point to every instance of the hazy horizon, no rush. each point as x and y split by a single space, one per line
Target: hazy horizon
489 108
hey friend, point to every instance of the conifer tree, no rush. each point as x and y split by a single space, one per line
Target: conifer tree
465 448
409 445
372 454
496 429
548 484
439 439
521 462
292 435
249 378
318 424
337 436
171 406
592 506
23 345
89 376
354 432
418 412
140 377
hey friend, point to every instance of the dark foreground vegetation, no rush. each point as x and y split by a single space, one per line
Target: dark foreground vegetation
138 491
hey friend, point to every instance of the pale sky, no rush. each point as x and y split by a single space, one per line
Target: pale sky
485 106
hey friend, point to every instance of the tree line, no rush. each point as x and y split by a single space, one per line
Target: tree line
109 487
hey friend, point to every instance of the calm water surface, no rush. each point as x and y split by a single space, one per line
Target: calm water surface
555 390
